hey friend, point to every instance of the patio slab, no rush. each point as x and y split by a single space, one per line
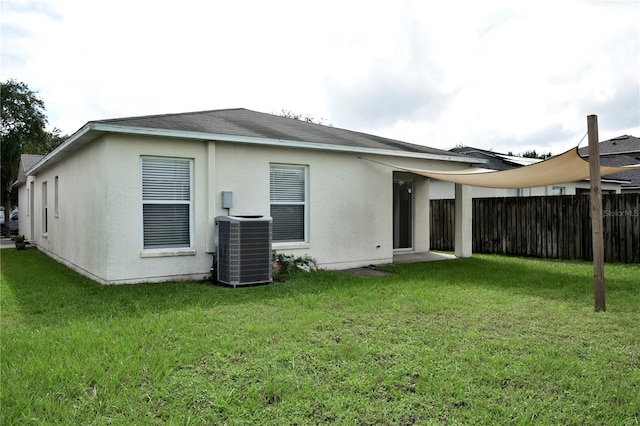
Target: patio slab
428 256
409 257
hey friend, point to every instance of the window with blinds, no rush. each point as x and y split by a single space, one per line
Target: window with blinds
288 194
166 202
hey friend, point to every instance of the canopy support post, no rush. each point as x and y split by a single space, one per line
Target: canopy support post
596 213
463 222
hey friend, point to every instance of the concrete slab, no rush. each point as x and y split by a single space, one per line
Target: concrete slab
429 256
6 242
408 257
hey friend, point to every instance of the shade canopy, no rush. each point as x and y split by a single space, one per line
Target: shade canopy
567 167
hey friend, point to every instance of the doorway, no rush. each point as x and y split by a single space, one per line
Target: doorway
402 214
32 234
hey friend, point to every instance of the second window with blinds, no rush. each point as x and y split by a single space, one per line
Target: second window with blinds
289 209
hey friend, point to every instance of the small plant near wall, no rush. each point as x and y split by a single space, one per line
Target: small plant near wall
286 263
20 242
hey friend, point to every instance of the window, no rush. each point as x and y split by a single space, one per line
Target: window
55 197
45 209
288 194
166 203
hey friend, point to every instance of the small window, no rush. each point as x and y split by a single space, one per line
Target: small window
55 197
45 209
166 203
289 210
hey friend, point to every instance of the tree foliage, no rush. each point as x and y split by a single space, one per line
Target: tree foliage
22 131
306 118
531 154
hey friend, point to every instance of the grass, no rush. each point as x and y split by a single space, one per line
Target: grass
487 340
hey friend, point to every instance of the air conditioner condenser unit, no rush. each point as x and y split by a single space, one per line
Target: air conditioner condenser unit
243 250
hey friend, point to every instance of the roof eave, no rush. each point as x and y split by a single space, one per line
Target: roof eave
92 130
76 141
183 134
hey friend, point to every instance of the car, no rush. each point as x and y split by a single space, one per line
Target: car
12 223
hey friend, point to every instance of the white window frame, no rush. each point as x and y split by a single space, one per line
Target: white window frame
167 251
56 211
45 209
305 203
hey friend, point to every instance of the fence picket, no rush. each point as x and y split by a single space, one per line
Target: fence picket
551 227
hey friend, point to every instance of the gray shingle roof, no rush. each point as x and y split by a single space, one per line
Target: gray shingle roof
494 162
621 151
621 144
26 162
244 122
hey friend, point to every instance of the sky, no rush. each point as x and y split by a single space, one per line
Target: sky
497 75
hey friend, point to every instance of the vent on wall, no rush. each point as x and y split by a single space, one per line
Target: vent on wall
243 249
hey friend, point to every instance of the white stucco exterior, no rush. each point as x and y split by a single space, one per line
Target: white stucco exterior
97 229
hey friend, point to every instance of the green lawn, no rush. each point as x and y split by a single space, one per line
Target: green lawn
488 340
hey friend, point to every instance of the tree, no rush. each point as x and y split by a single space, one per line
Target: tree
306 118
22 130
533 154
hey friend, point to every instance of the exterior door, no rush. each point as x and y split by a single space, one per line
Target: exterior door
402 214
32 232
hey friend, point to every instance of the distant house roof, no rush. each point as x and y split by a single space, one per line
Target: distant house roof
610 156
620 151
625 144
495 160
245 126
27 161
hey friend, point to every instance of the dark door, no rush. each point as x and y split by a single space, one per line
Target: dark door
402 214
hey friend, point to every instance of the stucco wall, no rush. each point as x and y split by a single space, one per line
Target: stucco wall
99 227
127 261
350 221
76 235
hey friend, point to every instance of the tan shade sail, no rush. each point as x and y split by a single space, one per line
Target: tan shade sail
567 167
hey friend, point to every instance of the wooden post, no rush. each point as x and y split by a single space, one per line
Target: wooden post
596 213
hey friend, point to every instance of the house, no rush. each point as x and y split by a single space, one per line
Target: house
499 162
620 151
26 162
134 199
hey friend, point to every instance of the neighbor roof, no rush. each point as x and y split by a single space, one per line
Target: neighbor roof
27 161
624 144
495 161
623 150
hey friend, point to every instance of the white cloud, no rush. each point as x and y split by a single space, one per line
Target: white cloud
503 75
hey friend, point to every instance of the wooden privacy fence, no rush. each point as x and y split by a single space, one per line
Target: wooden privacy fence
557 227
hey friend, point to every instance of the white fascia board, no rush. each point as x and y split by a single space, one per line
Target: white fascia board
61 149
83 136
620 181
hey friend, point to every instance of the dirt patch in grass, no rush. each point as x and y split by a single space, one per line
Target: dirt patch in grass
367 271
